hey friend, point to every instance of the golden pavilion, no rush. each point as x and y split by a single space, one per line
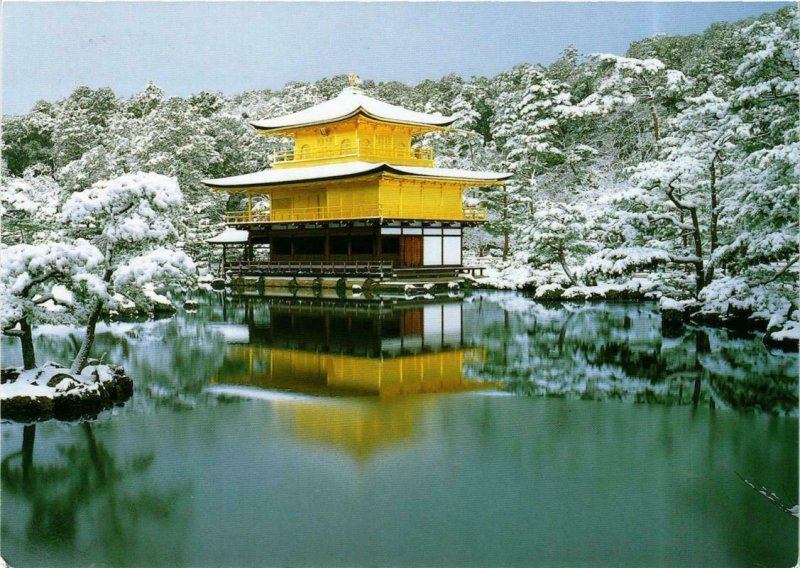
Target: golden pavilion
354 196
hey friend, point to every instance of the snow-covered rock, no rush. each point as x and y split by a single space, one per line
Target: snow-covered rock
784 335
53 391
159 304
675 313
549 292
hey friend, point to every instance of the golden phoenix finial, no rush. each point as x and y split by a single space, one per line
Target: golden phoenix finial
354 79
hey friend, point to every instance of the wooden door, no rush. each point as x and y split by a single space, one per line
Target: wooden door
411 251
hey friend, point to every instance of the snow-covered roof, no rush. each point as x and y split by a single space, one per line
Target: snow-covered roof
349 102
345 170
229 236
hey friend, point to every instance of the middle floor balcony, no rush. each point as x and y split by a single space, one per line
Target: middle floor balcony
306 155
353 212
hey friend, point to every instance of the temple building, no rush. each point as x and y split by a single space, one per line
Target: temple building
355 196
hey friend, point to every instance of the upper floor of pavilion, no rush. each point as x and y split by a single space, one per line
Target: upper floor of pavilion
353 127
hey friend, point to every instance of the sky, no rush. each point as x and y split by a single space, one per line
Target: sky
51 48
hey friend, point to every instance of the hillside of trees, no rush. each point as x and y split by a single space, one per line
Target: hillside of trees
671 169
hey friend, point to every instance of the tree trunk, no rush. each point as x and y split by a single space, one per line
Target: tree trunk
26 339
563 261
697 237
505 225
28 440
94 454
682 217
714 217
698 251
656 126
714 205
684 238
83 354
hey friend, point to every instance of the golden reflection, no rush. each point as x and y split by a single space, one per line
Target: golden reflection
336 375
359 425
357 367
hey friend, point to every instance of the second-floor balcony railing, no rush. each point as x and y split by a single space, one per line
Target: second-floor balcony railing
403 156
363 211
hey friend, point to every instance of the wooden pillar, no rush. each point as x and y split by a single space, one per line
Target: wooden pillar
269 241
327 246
377 243
224 255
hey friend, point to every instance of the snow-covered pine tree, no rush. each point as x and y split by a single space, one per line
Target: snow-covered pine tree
132 219
40 281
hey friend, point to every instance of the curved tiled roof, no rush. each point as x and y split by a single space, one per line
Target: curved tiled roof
345 170
350 102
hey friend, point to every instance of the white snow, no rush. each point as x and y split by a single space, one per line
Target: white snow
790 331
346 169
132 206
670 304
619 261
158 264
229 236
33 382
233 333
155 297
547 289
121 302
452 173
63 295
348 103
255 393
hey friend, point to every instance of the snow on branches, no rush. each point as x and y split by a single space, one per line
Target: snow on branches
131 217
623 261
32 274
129 208
157 265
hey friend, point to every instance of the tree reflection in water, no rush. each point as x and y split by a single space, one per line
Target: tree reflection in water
616 351
90 485
593 351
308 480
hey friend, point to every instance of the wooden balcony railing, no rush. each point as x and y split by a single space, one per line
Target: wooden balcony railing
372 268
364 211
406 156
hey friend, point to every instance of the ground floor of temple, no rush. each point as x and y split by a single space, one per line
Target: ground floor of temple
361 248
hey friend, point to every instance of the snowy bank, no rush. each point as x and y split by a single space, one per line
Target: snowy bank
783 332
52 391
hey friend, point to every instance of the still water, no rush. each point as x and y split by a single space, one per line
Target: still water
483 431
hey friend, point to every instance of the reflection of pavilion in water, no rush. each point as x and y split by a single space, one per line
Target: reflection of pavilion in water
335 351
321 350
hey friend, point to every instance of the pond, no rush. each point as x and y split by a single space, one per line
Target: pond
486 430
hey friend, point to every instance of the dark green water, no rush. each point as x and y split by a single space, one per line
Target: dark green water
275 433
